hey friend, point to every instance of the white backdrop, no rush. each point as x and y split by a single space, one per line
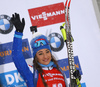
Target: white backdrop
85 31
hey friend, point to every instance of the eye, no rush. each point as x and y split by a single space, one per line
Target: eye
40 53
47 51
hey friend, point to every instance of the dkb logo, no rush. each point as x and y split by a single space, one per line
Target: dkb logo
12 79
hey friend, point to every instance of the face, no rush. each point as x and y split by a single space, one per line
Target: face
44 56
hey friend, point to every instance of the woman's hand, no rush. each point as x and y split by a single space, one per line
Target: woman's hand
19 25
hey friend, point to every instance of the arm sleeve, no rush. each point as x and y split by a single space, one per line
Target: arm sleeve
19 60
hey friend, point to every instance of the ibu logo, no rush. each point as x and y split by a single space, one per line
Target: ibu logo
12 79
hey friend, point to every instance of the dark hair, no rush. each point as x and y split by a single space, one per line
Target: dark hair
39 68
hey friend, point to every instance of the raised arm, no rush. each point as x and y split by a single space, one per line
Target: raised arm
17 55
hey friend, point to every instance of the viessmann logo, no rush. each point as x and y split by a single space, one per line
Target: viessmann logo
47 15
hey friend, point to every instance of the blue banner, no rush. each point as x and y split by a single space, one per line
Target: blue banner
12 79
6 51
65 67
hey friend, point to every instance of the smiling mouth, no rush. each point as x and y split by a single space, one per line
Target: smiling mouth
46 60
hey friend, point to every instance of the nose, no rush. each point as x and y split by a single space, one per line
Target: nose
45 55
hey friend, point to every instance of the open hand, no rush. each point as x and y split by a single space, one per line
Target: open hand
19 25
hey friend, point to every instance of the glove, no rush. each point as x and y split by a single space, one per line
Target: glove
17 22
77 74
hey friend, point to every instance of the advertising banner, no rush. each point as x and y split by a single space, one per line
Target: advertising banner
6 51
47 15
